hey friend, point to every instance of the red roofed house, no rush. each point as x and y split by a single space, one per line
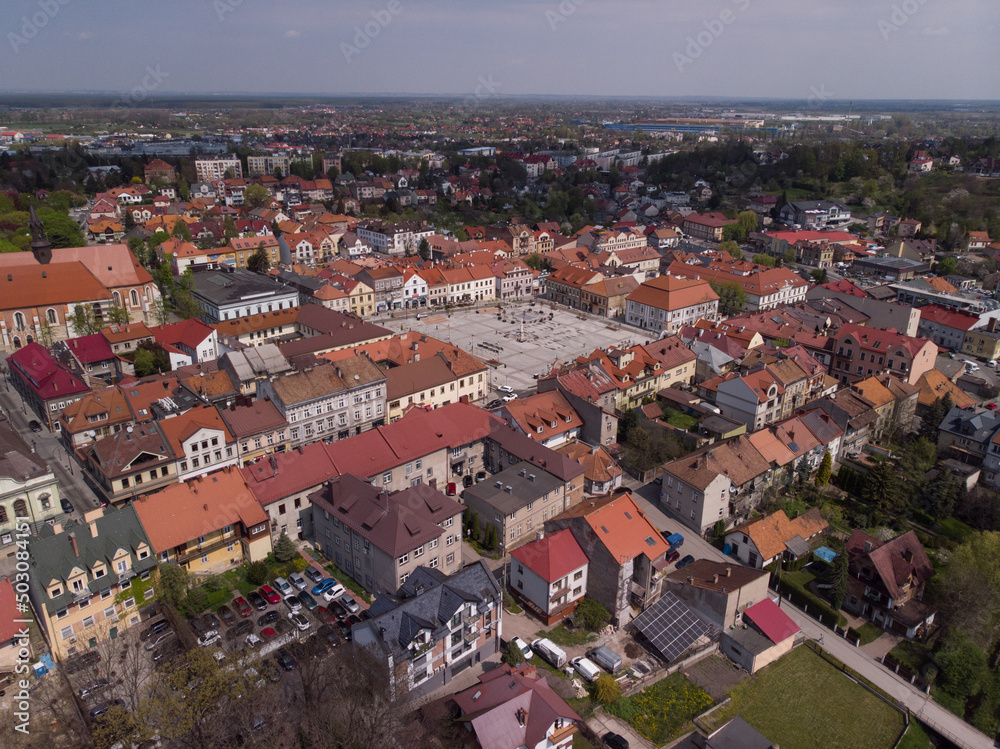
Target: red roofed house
515 707
550 575
862 352
767 634
10 632
947 327
45 385
193 338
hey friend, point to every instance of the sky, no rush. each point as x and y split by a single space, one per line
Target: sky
809 50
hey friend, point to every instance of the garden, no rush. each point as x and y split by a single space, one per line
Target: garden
663 711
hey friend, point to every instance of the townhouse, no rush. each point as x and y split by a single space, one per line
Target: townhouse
82 574
44 384
206 525
760 542
29 492
608 297
380 538
393 239
947 328
707 226
547 418
564 286
387 284
514 280
327 401
469 284
862 352
549 575
133 461
666 304
764 288
258 428
444 377
200 442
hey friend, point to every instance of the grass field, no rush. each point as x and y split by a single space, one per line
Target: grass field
801 702
562 636
663 711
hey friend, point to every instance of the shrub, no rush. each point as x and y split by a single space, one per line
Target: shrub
214 584
591 615
606 689
195 601
257 573
299 564
512 654
284 549
632 650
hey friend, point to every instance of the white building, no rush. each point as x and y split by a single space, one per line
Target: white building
213 169
550 575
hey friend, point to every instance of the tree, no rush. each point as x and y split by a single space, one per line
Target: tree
825 468
747 221
84 320
963 665
790 256
284 548
187 305
732 248
512 654
591 615
967 590
257 572
819 276
947 266
491 541
128 223
881 486
935 415
259 262
229 230
732 297
172 583
768 260
626 424
119 314
256 196
150 359
941 494
161 311
476 530
606 689
841 575
424 249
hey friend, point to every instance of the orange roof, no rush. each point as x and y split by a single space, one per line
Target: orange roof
26 286
544 415
180 427
673 293
770 534
625 530
934 384
183 512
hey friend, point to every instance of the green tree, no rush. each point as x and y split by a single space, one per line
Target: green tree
732 248
258 262
119 314
880 488
968 588
941 493
256 196
424 249
732 297
84 320
181 231
476 528
128 223
607 690
841 575
492 539
626 424
825 468
161 311
512 654
284 548
947 266
591 615
187 305
257 572
768 260
819 276
172 583
151 359
747 221
229 230
931 420
963 665
790 256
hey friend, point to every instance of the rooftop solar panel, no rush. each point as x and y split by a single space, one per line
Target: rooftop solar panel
670 627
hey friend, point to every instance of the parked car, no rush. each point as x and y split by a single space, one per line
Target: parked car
337 609
300 622
161 638
673 556
505 389
685 561
99 711
241 629
267 619
615 741
67 507
350 604
526 651
494 404
88 658
334 591
198 625
293 603
270 594
252 641
209 638
242 606
297 581
211 620
344 629
257 601
281 585
327 583
329 633
307 600
165 652
586 668
98 685
510 397
268 633
285 660
153 629
325 615
313 574
34 426
226 614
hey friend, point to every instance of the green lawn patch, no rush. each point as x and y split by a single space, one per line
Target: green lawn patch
911 654
867 633
801 702
915 737
954 529
348 582
237 578
680 420
663 711
581 743
562 636
797 583
510 603
948 701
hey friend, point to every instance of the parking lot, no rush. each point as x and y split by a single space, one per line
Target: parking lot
523 339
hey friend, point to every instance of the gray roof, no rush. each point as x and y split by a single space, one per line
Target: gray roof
239 285
427 602
258 361
979 427
52 555
523 447
17 461
737 734
713 357
514 487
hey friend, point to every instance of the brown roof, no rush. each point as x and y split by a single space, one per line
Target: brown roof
549 412
934 384
895 561
770 534
673 293
324 379
259 416
182 426
737 459
117 453
262 321
417 377
717 576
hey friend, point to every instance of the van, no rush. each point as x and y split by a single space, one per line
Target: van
675 540
550 652
606 658
281 585
586 668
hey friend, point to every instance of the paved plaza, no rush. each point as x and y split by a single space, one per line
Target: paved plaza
545 341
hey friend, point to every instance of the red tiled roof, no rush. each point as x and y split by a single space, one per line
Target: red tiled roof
552 557
43 374
90 349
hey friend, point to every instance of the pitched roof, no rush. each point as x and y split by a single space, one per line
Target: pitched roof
672 292
770 533
288 473
182 426
895 560
774 623
738 459
113 265
934 384
716 576
256 417
544 415
90 349
624 530
26 286
185 511
43 374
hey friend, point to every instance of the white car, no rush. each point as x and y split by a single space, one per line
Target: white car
509 398
299 621
252 640
334 592
525 649
992 364
505 388
209 638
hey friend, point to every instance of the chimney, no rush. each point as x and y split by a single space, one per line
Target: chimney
93 528
690 580
72 543
715 579
729 571
508 489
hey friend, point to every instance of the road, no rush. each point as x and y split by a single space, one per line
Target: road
919 703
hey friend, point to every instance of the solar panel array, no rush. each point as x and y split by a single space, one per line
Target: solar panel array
670 626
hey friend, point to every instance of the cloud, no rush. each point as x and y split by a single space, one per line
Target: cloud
939 31
292 33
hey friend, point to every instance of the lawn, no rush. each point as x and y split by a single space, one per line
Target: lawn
562 636
680 420
663 711
868 632
915 738
911 654
348 582
801 702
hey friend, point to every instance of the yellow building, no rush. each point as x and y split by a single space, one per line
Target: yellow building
362 297
982 343
206 525
82 574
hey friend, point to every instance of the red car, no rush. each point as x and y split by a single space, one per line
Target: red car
267 633
673 556
325 615
270 594
242 606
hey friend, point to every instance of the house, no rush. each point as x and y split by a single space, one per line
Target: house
706 226
609 296
89 357
43 384
626 551
208 524
547 418
718 591
134 461
765 288
443 377
79 571
258 428
887 582
435 626
193 338
766 634
715 483
380 538
200 442
158 169
549 575
29 492
238 293
946 327
757 543
667 303
815 215
602 473
516 502
513 707
862 352
565 285
967 435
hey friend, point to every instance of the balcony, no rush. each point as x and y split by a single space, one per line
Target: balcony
561 734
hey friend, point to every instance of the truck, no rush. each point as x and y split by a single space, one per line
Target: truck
675 541
550 652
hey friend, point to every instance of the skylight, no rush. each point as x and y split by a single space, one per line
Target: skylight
650 541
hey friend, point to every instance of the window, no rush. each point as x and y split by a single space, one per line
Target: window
432 544
404 559
450 559
433 563
204 558
88 622
66 632
387 477
418 552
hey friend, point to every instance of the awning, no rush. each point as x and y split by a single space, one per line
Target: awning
661 565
